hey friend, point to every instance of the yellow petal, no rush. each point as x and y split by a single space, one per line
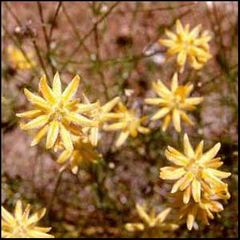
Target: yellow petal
161 89
176 120
171 173
8 217
52 135
212 179
66 138
167 42
36 100
143 130
115 126
38 234
41 133
171 35
57 86
160 113
162 215
122 138
110 105
187 195
195 32
26 213
29 114
65 155
179 27
199 150
36 123
80 120
71 89
181 58
18 211
94 134
193 100
188 150
177 159
187 181
210 154
185 118
142 213
191 218
82 108
219 174
132 227
36 216
196 190
155 101
174 84
166 122
177 184
46 90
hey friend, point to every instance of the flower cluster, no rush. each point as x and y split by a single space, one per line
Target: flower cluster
21 225
198 179
191 45
19 60
74 126
173 103
151 221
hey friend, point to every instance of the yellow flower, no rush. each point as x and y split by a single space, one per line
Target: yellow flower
17 58
191 45
192 211
173 103
127 122
56 114
21 225
82 155
151 221
99 114
195 172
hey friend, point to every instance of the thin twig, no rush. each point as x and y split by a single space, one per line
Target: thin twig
75 29
54 20
75 50
57 184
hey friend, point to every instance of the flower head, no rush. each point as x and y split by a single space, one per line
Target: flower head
56 113
195 172
127 122
151 221
19 60
173 103
191 45
21 225
100 114
192 212
82 155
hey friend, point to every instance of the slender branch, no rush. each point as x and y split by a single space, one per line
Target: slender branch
57 184
75 50
54 20
75 29
43 24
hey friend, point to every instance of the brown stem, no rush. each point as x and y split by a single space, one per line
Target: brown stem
57 184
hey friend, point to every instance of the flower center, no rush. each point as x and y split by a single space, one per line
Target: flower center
58 111
19 230
194 167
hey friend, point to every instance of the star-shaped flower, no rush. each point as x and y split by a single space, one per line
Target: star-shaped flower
173 103
195 172
127 122
23 225
191 45
151 221
56 113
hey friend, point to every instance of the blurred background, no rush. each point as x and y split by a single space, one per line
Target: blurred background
114 47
